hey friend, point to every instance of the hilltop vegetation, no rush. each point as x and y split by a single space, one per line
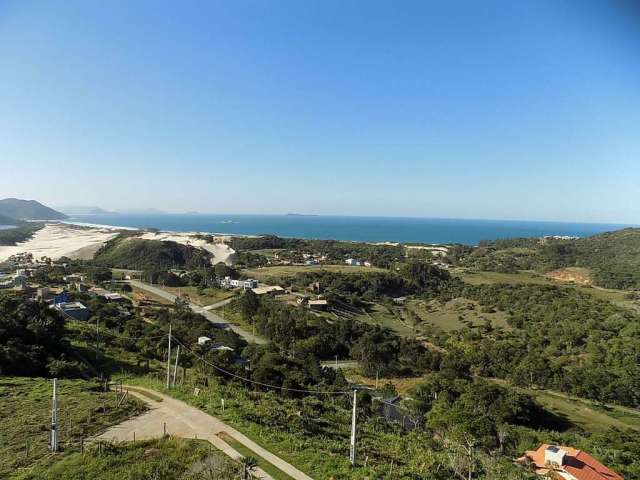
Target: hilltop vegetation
150 255
613 257
22 232
28 210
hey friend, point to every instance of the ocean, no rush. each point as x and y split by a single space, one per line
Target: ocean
365 229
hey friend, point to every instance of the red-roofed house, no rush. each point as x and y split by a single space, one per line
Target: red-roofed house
566 463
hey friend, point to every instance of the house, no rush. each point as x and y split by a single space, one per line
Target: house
353 262
268 290
107 295
203 340
319 304
228 282
75 310
43 294
566 463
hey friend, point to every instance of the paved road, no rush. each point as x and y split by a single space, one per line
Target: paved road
217 320
183 420
219 304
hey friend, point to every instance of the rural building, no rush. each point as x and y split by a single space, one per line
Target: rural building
566 463
317 304
353 262
203 340
75 310
43 294
107 295
228 282
268 290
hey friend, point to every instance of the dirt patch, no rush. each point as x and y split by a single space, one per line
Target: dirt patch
579 276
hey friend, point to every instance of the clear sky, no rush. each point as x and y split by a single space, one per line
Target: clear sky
493 109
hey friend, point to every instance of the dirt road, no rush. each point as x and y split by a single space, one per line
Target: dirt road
177 418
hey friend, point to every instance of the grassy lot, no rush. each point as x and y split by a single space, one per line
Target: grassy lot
271 469
165 458
284 271
268 252
25 409
390 317
420 317
455 314
203 297
587 414
478 278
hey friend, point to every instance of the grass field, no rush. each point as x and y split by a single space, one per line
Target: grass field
165 458
587 414
419 317
283 271
25 409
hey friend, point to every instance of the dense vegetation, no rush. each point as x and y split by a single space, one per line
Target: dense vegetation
613 257
560 338
356 289
334 250
32 339
22 232
151 255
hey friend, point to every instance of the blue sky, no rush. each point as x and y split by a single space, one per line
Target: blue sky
495 109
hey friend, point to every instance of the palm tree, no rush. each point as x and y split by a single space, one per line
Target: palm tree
249 464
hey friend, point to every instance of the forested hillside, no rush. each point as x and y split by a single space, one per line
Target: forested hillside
613 258
152 255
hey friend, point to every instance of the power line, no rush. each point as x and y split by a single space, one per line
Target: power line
266 385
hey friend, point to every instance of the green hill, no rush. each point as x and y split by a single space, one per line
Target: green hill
613 258
138 254
28 210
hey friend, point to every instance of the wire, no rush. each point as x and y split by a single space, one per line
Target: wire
248 380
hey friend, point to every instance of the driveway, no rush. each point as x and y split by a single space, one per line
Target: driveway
183 420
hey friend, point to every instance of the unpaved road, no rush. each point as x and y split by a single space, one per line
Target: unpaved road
212 317
183 420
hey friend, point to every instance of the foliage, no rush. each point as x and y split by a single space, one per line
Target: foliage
31 337
21 233
613 257
151 255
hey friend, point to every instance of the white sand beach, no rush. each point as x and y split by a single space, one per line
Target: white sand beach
221 251
57 240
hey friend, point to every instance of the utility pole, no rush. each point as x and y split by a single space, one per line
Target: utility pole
54 417
97 337
169 358
175 368
352 450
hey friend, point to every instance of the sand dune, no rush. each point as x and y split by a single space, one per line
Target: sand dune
221 251
57 240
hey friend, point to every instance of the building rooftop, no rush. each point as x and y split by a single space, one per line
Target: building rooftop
580 465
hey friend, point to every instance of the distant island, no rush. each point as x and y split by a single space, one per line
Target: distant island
302 215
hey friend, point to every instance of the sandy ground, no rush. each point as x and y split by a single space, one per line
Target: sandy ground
57 240
221 252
